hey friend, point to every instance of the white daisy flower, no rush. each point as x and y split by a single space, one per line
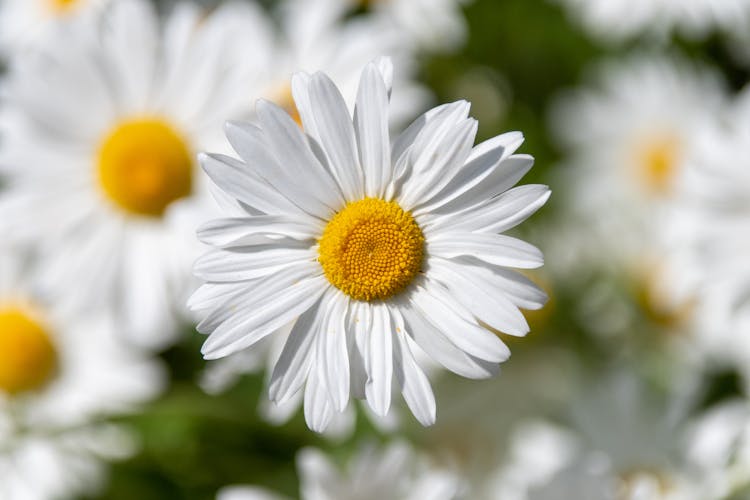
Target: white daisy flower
395 472
625 442
26 23
430 24
373 248
100 136
61 376
709 241
627 138
616 20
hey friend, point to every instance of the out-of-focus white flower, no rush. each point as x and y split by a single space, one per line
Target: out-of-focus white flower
430 24
99 141
536 451
375 248
719 447
623 443
61 376
314 35
710 238
26 23
396 472
616 20
627 137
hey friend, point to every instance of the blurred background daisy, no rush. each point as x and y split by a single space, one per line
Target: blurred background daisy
633 382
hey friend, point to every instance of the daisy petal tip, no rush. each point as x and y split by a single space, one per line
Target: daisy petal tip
231 125
262 104
427 420
383 61
209 356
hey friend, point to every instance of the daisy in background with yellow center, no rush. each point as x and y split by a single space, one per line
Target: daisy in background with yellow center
61 376
24 24
626 137
100 135
710 236
371 248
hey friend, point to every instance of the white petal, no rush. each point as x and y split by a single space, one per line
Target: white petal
500 213
234 304
456 324
505 176
318 407
301 93
293 364
250 263
131 44
232 232
379 362
520 290
210 295
250 143
414 384
385 67
371 120
240 181
404 142
481 299
145 300
483 160
439 130
496 249
333 353
270 315
290 146
360 320
316 473
438 347
336 135
437 162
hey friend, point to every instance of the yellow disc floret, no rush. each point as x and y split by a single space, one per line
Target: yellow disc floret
63 6
144 165
372 249
658 160
27 357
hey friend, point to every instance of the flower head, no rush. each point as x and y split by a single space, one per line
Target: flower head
372 248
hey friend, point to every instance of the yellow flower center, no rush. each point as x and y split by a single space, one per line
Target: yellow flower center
372 249
27 357
657 162
144 165
657 307
62 6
